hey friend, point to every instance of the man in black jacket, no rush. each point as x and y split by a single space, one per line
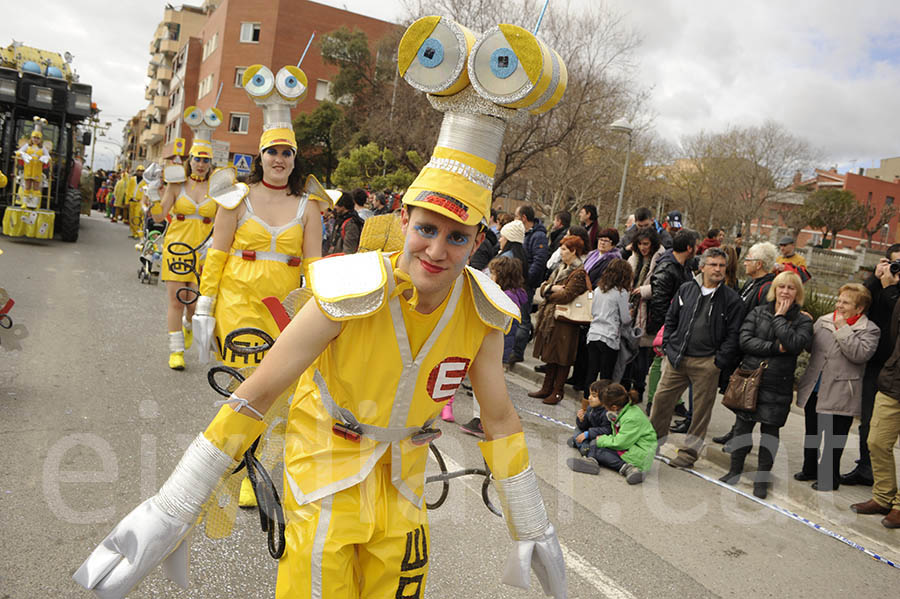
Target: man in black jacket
759 264
561 222
701 337
885 292
536 253
670 273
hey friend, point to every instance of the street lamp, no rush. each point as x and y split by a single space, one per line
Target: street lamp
622 126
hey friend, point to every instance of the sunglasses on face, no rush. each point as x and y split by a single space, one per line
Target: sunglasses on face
274 152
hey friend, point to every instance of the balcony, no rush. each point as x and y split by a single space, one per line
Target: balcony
168 46
164 74
149 92
153 134
161 102
151 70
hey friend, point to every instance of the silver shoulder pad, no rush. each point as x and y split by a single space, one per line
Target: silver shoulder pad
494 307
350 286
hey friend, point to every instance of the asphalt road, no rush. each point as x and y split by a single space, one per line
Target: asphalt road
92 421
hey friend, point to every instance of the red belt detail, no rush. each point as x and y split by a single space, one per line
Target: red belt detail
179 216
248 254
206 220
295 261
342 430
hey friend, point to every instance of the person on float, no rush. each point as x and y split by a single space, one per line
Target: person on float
34 157
411 325
192 212
264 234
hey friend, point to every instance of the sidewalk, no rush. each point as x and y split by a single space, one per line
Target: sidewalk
831 510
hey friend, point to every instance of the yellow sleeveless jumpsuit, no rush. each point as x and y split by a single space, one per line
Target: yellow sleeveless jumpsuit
191 224
356 519
265 261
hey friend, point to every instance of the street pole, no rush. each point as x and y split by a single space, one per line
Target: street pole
95 124
622 187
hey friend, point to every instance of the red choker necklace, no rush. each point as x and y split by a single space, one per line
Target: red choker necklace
274 186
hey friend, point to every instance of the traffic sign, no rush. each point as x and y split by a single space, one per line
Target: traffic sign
220 152
242 162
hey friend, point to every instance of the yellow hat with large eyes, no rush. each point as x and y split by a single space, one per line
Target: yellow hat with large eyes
479 82
202 123
276 94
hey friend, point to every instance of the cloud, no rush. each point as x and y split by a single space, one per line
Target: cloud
826 71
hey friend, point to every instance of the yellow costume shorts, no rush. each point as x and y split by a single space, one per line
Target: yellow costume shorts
365 541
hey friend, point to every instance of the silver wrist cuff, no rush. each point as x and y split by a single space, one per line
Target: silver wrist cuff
205 304
523 506
193 481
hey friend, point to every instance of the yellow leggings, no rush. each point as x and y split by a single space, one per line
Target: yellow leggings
365 541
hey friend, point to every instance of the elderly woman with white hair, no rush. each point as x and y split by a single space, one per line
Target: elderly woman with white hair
759 264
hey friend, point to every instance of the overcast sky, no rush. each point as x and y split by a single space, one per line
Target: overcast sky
828 70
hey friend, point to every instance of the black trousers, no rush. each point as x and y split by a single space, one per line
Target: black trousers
829 430
600 363
743 442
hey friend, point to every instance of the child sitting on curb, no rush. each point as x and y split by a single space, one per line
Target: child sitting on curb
630 448
591 419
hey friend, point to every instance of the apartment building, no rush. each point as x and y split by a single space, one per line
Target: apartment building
232 36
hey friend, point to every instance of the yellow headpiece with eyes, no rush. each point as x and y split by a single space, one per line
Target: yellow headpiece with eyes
38 126
479 82
276 94
202 123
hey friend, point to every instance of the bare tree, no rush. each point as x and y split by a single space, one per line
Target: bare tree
563 153
872 227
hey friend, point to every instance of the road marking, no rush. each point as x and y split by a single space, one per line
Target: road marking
574 561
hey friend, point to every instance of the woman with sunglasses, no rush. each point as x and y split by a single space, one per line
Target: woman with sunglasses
191 214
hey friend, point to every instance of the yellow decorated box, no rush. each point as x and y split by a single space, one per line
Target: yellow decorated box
22 222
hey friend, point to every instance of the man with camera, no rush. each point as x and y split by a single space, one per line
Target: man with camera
884 285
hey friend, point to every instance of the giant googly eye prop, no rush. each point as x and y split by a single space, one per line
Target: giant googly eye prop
511 67
212 117
193 116
432 55
291 83
258 81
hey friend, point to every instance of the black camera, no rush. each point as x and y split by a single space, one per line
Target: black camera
895 267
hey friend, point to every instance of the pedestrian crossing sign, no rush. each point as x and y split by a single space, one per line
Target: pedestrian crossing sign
242 163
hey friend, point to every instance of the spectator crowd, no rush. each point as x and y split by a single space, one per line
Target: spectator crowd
654 321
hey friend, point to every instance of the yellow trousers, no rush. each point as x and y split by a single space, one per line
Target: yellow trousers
135 218
363 542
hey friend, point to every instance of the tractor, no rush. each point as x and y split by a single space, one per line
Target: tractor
37 84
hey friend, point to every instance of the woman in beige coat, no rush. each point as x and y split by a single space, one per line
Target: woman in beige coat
830 391
556 341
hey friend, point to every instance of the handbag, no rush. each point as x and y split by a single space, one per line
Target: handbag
743 387
578 311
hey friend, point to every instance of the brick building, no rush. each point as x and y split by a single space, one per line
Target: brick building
233 36
877 193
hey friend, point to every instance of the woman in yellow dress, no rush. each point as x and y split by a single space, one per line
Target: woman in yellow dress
192 212
35 157
192 215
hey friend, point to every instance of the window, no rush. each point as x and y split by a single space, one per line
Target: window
238 76
323 91
239 122
205 86
889 201
210 46
250 33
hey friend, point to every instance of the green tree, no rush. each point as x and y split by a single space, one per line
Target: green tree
834 210
374 167
319 139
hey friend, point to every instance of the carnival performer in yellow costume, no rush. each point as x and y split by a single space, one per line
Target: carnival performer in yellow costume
119 192
35 158
134 197
392 337
262 241
192 212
